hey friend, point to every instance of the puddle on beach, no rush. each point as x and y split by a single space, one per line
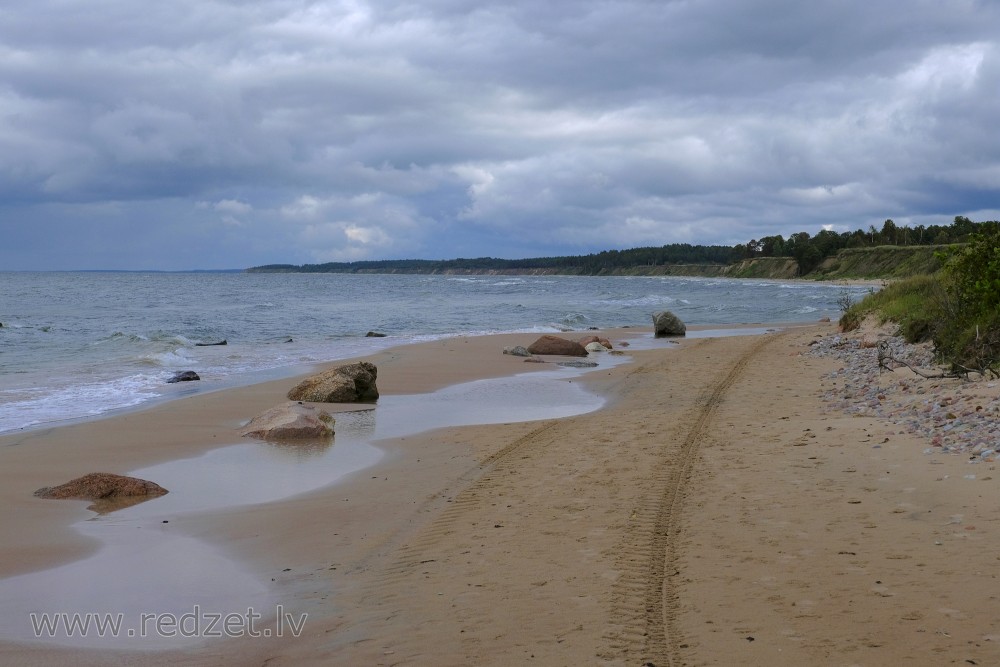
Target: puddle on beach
143 567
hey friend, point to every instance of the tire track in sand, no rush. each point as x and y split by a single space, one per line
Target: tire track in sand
646 600
451 507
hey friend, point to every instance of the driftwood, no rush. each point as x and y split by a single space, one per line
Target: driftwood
885 354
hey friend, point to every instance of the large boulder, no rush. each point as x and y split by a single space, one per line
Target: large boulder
549 344
344 384
666 323
107 490
292 421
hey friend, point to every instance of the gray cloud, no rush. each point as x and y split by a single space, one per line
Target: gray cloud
226 134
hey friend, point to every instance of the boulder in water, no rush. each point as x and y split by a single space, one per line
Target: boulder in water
184 376
292 421
108 491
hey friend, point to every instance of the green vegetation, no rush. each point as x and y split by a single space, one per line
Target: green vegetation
969 335
608 261
912 303
958 309
885 261
889 252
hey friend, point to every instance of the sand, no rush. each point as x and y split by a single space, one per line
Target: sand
714 512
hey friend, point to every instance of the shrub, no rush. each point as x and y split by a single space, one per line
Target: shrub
969 334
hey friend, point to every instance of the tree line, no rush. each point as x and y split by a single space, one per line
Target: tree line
594 263
808 251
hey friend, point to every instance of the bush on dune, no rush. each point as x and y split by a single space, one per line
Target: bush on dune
969 334
958 309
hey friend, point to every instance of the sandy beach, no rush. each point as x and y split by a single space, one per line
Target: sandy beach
715 511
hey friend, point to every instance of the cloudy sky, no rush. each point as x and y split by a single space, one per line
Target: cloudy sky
214 134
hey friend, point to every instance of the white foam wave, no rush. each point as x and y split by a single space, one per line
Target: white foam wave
52 404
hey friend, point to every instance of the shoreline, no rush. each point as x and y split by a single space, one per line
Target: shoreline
212 417
780 518
53 454
295 373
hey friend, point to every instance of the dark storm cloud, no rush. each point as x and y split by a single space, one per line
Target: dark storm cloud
215 134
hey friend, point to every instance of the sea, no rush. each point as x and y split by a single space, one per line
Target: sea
77 345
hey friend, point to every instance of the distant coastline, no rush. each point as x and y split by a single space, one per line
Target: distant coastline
873 263
864 254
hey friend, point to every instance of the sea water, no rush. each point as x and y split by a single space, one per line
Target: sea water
78 345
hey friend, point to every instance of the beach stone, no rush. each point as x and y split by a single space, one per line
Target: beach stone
102 486
184 376
549 344
292 421
666 323
345 384
517 351
587 340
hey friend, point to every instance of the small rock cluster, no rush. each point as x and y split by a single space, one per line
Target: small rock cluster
955 416
549 345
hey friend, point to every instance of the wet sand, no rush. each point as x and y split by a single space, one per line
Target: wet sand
711 513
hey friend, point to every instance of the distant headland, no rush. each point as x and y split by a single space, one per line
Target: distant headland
890 252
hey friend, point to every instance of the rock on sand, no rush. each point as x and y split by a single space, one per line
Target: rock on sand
344 384
549 344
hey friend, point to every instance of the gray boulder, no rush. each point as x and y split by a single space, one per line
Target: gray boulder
666 323
345 384
292 421
549 344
